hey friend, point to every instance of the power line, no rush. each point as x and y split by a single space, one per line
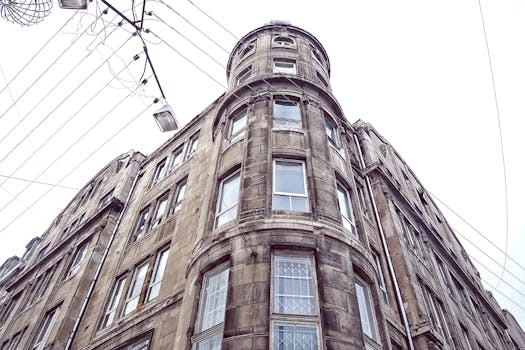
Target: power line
501 144
38 52
210 17
77 166
76 141
45 71
61 103
38 183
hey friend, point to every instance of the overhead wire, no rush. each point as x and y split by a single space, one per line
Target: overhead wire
78 165
74 143
501 142
38 52
39 183
42 74
213 19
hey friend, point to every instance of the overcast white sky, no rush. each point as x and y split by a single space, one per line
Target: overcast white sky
417 70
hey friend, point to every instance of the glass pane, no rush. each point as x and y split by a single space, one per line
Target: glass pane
289 336
286 110
176 158
299 204
230 193
293 286
211 343
214 299
289 177
281 202
365 310
226 216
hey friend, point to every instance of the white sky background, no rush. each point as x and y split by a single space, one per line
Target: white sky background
416 70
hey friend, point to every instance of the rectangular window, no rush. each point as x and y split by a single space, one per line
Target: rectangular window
135 289
284 66
45 329
105 199
160 208
363 203
330 130
293 289
175 158
6 311
244 75
443 274
40 286
158 273
77 259
286 114
192 146
462 295
141 225
287 335
140 344
212 307
289 186
345 207
176 202
160 171
111 308
237 125
366 310
227 200
380 277
15 341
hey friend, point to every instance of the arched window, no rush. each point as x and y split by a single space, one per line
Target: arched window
284 41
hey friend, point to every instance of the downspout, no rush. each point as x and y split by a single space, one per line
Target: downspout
399 299
99 268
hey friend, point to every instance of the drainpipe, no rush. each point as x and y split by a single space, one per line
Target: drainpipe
99 268
399 299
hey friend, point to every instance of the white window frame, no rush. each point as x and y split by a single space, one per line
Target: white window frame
220 212
178 197
381 277
113 302
244 75
160 172
284 66
105 199
160 210
289 194
77 260
135 289
290 122
236 135
177 153
193 143
206 333
274 323
363 203
330 129
287 42
158 274
348 218
141 225
45 328
366 305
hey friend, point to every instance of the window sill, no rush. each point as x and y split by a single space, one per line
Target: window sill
298 130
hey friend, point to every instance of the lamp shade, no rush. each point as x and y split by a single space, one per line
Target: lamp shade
166 120
73 4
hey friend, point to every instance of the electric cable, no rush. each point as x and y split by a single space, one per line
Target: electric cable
39 183
38 52
501 143
41 75
77 166
74 143
22 203
60 103
210 17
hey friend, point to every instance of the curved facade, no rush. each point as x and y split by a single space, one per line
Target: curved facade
268 222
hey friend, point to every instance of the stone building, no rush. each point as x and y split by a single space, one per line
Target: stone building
268 222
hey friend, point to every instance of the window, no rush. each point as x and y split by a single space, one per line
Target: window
286 114
321 79
211 309
160 171
284 66
227 200
293 296
39 287
380 277
135 289
363 203
45 329
141 225
284 41
345 207
176 202
158 273
443 274
317 56
105 199
141 344
77 259
446 330
192 146
289 186
291 336
160 208
432 312
330 129
366 310
15 341
237 125
7 309
175 158
462 295
111 308
244 75
247 50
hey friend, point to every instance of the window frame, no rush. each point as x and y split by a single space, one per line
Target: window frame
112 305
193 143
349 223
178 151
157 220
362 200
373 339
381 277
220 194
291 122
284 41
176 201
238 115
155 279
291 70
290 194
45 328
130 294
105 199
75 263
160 172
139 230
244 75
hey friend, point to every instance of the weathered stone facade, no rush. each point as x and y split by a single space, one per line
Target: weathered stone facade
267 222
